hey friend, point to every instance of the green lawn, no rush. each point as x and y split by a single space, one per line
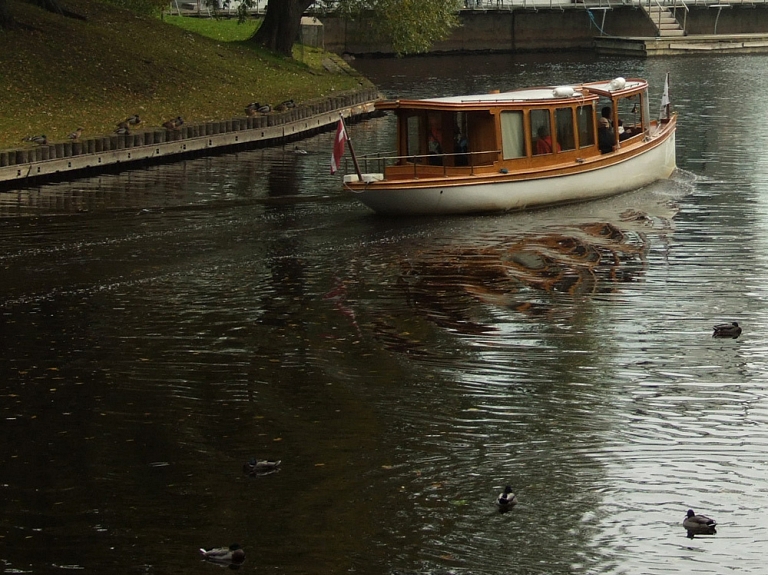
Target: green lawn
222 29
58 73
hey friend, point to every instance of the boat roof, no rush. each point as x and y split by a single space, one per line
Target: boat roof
607 88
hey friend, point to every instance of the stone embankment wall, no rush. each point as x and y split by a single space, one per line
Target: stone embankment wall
570 27
732 19
34 164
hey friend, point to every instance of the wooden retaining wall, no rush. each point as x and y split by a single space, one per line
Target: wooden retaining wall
24 166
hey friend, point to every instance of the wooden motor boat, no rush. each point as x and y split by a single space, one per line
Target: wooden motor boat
519 149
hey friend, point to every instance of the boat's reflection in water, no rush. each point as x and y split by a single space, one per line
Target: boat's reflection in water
530 272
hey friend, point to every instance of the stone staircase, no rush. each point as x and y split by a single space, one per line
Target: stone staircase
664 21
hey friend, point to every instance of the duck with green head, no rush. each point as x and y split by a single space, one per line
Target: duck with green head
506 499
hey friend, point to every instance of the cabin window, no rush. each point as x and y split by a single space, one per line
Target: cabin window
625 115
413 146
435 138
541 132
565 133
512 135
630 116
585 117
460 140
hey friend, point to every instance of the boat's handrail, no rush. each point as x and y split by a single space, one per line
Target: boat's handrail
381 161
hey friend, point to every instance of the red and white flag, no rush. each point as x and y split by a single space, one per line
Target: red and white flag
338 146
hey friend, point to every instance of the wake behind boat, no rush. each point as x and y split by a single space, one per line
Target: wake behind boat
516 150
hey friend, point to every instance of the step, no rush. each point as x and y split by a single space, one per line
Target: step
669 33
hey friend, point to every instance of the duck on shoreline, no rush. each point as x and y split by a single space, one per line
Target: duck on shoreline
41 140
174 124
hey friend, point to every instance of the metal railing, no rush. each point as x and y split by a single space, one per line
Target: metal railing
377 163
323 8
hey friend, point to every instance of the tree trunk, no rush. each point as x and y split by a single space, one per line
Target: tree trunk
281 25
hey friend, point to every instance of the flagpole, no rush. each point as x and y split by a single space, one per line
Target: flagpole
351 149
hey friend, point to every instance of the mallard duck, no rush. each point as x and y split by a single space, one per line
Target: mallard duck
260 466
123 131
232 555
41 140
285 105
264 109
699 523
506 498
133 120
252 108
299 152
727 330
76 134
173 124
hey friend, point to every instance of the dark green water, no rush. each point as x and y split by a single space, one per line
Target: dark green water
160 327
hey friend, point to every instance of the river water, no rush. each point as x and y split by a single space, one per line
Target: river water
162 326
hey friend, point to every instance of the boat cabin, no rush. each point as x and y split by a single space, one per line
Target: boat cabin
530 129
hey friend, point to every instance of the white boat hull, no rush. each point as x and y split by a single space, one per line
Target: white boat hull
596 180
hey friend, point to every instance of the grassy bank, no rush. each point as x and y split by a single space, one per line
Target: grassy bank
58 73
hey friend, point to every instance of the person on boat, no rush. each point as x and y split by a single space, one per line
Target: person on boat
605 136
543 141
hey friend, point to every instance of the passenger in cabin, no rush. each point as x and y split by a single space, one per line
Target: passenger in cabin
461 148
543 141
605 136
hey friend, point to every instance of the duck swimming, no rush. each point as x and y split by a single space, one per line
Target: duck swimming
260 466
232 555
732 330
699 524
506 499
